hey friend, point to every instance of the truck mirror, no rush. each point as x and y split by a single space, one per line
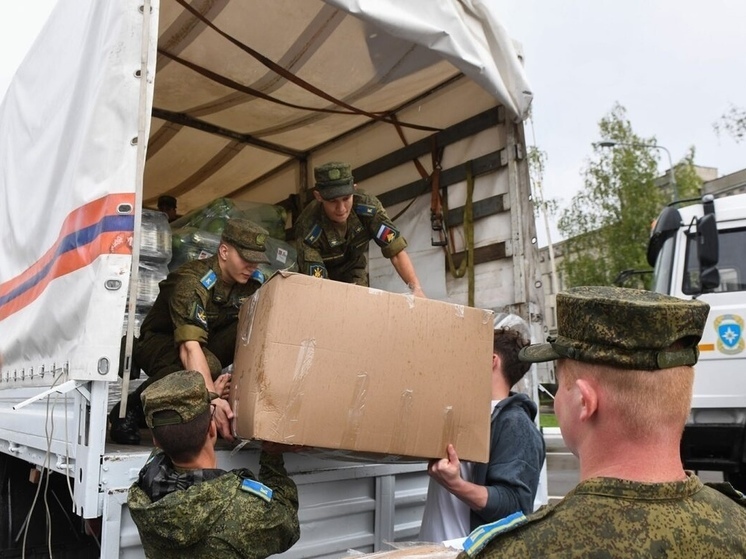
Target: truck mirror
708 252
667 224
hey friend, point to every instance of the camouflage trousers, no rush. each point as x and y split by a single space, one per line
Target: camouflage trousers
158 355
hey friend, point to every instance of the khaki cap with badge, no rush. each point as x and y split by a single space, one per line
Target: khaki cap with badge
625 328
334 180
175 399
247 238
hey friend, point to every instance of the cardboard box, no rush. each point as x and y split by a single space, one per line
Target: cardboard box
339 366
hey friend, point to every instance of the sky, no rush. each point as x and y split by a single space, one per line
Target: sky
675 65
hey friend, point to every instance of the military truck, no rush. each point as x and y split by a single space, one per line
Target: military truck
121 101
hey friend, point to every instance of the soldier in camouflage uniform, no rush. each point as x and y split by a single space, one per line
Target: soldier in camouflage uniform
192 324
625 375
333 231
184 506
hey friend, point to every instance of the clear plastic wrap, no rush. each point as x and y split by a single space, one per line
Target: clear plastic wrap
155 237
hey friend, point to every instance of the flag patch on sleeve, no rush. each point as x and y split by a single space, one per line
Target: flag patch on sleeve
386 234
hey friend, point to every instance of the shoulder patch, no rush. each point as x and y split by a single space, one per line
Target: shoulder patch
256 488
387 234
482 535
209 279
317 271
365 209
198 315
313 235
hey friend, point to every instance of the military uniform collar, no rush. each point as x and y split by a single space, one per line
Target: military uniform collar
330 228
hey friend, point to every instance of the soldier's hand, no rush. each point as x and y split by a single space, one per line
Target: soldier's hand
446 471
223 416
223 385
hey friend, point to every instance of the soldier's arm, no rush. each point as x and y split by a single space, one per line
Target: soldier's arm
404 267
310 261
193 359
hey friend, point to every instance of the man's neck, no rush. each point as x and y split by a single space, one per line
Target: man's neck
205 460
648 462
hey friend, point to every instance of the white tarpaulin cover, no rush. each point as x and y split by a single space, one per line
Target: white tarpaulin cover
244 95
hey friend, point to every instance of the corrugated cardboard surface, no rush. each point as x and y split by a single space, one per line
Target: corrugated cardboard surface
338 366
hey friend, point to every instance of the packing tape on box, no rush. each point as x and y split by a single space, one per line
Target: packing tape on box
448 435
403 417
356 411
303 363
248 324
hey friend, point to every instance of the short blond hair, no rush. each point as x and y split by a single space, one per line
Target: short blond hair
647 403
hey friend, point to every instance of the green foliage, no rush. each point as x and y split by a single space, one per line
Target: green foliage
733 122
608 222
688 181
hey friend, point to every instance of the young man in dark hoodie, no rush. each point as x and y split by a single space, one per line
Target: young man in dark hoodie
461 496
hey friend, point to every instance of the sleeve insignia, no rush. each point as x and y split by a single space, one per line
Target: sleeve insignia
365 209
386 234
209 279
313 235
482 535
198 315
317 270
256 488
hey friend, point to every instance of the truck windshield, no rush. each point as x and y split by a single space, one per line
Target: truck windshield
731 263
664 267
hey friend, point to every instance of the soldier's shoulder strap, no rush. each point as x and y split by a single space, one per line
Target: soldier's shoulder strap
364 204
484 534
253 487
313 235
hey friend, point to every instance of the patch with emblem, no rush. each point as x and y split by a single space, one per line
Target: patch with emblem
198 315
386 234
729 328
313 235
365 209
256 488
209 279
482 535
317 270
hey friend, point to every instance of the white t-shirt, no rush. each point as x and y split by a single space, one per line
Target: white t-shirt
446 517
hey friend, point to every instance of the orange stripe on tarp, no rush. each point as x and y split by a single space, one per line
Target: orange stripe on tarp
89 231
706 347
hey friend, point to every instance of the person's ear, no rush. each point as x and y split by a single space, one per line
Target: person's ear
495 361
317 196
223 251
588 398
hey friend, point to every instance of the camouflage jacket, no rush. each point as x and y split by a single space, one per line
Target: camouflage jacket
211 513
323 252
608 518
193 300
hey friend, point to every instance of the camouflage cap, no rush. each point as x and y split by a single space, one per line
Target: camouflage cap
626 328
334 180
176 398
248 238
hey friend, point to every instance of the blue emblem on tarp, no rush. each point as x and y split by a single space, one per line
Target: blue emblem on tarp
730 333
